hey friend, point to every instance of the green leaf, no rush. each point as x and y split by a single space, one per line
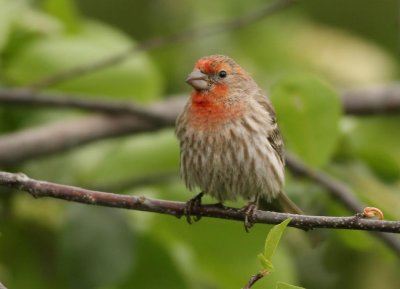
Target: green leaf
282 285
308 112
265 263
273 238
66 11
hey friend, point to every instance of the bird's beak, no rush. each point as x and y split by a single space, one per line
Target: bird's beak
197 79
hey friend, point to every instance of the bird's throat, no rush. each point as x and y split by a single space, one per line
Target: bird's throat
209 111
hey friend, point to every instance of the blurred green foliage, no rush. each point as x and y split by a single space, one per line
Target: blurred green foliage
301 53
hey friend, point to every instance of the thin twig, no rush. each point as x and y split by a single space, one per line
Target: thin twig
2 286
69 193
158 42
255 278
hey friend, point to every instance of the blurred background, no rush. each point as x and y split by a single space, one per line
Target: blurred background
320 47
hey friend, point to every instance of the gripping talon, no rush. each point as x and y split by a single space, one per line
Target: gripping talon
249 212
191 205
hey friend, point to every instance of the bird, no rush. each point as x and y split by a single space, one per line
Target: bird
230 143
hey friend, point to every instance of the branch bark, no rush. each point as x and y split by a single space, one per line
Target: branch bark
75 194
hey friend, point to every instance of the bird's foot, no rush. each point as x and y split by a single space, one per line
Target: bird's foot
192 205
249 212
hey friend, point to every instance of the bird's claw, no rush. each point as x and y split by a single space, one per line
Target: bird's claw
249 213
192 205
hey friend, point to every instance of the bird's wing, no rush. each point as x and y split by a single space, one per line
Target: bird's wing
274 134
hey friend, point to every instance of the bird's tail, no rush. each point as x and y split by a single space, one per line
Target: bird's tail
281 203
286 205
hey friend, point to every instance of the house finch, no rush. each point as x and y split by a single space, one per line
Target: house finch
230 142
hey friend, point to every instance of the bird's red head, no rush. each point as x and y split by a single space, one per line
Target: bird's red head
213 72
213 64
215 79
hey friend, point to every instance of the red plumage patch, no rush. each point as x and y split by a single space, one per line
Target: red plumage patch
211 66
208 65
209 109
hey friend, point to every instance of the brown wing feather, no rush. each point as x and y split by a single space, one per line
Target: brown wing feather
275 137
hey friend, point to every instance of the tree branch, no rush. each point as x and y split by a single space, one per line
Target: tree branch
159 42
360 101
29 98
74 194
42 141
53 138
59 137
372 100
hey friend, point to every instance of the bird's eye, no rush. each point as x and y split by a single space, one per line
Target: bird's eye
222 74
